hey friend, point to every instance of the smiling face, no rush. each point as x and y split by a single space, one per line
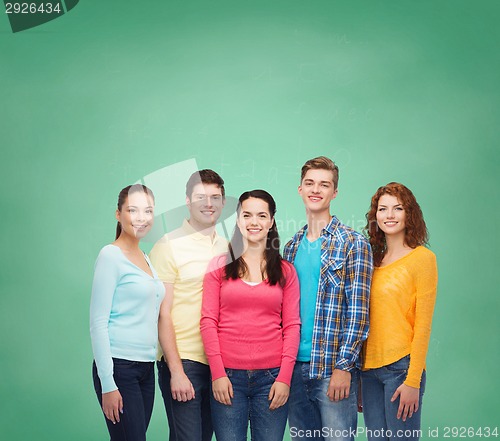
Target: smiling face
205 206
391 215
317 190
254 220
136 215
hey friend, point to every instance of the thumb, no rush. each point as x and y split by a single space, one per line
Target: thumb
396 395
271 393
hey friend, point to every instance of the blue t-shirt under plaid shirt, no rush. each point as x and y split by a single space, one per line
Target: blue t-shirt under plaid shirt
341 312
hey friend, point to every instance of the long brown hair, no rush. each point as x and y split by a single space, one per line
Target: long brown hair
235 264
415 232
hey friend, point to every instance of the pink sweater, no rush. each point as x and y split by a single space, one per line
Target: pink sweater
250 327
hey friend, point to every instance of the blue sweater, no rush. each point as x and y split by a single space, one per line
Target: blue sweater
123 312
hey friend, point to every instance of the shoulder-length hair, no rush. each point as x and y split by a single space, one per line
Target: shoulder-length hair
236 267
415 232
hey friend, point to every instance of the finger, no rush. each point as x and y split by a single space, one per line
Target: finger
341 394
336 395
120 405
405 412
395 396
116 414
271 394
231 393
400 411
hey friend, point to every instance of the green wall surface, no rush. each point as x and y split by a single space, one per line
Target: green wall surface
114 92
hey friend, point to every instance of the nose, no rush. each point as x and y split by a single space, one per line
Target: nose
390 213
208 201
315 188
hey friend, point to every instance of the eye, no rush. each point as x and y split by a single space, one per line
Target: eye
325 185
399 208
149 211
381 209
131 210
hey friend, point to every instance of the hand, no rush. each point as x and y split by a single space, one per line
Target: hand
112 405
278 395
340 383
408 400
181 388
223 390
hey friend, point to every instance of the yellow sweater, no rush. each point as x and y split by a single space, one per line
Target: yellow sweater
402 300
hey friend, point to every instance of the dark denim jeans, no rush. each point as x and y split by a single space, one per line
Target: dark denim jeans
313 416
136 384
250 403
378 387
190 420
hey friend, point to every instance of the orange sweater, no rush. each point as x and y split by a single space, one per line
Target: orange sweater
402 300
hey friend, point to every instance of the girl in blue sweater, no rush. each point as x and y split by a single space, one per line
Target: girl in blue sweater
126 296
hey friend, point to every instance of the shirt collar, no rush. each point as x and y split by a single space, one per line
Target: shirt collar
196 235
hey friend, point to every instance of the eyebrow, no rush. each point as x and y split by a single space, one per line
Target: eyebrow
135 206
260 212
207 195
397 205
321 182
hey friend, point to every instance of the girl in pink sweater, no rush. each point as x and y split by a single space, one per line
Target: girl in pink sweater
250 326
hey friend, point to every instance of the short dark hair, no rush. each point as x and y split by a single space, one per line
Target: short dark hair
205 176
321 163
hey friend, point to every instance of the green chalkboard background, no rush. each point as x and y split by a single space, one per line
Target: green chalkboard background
113 91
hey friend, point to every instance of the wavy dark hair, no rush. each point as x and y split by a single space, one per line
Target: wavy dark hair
236 267
122 197
415 232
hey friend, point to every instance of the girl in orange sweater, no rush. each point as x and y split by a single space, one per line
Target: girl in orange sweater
403 294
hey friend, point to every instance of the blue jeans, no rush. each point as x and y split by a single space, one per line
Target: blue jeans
250 403
189 420
378 387
136 384
313 416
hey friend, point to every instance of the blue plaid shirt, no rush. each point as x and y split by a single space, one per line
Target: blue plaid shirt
341 316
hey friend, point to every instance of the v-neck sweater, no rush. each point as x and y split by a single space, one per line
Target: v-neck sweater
403 294
250 327
124 312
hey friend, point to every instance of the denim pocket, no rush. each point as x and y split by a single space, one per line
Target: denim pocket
273 373
400 365
229 372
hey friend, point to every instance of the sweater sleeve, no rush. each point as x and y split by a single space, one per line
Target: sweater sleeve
106 277
209 323
290 322
426 288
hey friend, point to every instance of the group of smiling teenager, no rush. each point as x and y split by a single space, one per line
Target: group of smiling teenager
340 324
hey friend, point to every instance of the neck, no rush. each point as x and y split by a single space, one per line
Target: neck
316 222
202 229
127 242
395 243
254 250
